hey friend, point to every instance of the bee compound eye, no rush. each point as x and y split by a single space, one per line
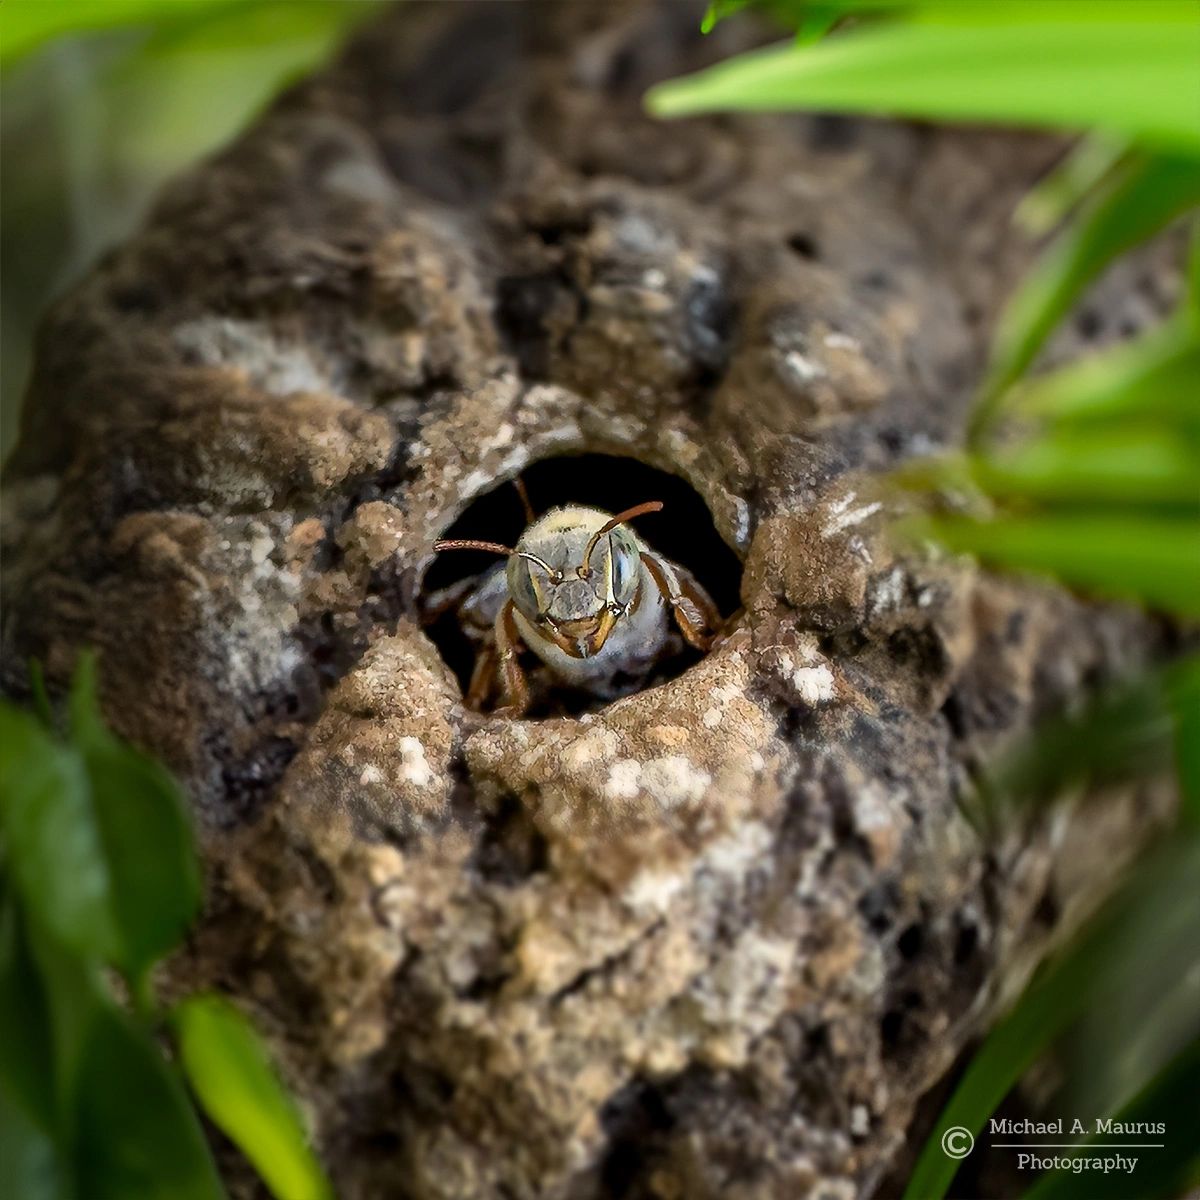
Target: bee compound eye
522 587
624 571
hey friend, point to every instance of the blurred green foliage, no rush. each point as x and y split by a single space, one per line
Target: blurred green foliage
1145 913
1090 473
1103 486
101 101
98 881
986 61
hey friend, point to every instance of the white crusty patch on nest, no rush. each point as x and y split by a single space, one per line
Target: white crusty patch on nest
812 680
722 696
814 685
668 781
595 745
842 516
623 779
652 889
279 367
414 766
743 993
741 531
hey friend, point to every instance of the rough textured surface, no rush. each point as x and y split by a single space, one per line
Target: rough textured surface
715 939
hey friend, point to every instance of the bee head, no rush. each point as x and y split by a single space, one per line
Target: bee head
573 574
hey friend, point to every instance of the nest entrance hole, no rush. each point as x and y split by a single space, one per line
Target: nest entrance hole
684 532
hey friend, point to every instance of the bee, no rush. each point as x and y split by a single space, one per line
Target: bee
585 594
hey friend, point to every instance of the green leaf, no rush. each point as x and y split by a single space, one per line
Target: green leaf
1152 560
232 1077
1055 998
135 1132
143 827
817 19
30 1167
1191 307
26 1044
1134 466
809 18
28 24
1143 1007
1168 1172
718 10
148 842
74 989
221 26
41 698
1153 377
100 844
54 848
1126 732
1141 197
1044 1010
1183 688
1125 75
1084 168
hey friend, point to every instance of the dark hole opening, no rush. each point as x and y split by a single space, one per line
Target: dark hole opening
683 532
804 245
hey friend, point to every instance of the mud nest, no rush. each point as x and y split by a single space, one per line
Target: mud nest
717 938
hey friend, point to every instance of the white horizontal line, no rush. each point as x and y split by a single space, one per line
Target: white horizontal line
1073 1146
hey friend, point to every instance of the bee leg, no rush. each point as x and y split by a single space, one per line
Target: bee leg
483 677
695 614
443 600
513 686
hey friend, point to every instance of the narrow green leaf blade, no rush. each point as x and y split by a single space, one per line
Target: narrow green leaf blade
1183 689
41 698
1128 77
1044 1010
1126 732
135 1132
145 833
718 10
30 1167
55 853
1170 1100
1156 377
1151 560
1136 466
1141 198
1053 197
148 842
26 1037
25 27
228 1069
1055 998
817 19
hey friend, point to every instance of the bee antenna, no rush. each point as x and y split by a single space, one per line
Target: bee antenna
638 510
491 547
496 548
555 575
519 484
